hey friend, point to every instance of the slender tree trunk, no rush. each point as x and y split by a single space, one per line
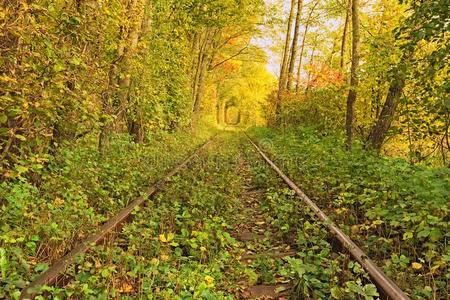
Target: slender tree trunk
300 59
200 86
121 66
106 127
286 51
136 120
344 34
311 61
378 133
136 15
223 112
293 56
218 100
205 60
330 58
199 64
218 115
194 48
351 99
302 48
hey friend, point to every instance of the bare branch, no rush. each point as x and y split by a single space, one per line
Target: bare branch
231 57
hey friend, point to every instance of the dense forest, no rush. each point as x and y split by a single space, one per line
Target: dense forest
100 99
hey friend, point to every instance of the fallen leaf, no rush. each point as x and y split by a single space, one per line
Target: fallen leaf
416 266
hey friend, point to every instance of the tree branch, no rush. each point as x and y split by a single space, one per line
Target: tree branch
230 58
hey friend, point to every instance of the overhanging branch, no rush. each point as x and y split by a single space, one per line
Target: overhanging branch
230 58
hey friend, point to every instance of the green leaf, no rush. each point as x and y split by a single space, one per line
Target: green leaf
447 103
371 291
423 233
408 235
105 273
21 169
76 61
353 287
41 267
58 67
3 262
435 234
20 137
336 293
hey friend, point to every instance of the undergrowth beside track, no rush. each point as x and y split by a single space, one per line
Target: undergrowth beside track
183 245
398 213
178 246
73 194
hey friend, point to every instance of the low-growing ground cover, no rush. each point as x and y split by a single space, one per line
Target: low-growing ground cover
187 243
226 227
72 194
397 212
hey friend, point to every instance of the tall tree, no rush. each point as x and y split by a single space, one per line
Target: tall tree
293 55
387 114
344 33
120 71
429 22
302 47
285 58
351 99
204 59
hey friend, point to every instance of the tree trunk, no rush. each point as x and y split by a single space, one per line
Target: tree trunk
302 48
378 133
293 56
106 124
136 14
282 80
300 59
311 61
218 115
136 128
344 34
330 58
121 66
223 112
195 79
136 121
351 99
200 87
202 69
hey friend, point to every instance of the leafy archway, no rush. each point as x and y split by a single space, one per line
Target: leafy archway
232 115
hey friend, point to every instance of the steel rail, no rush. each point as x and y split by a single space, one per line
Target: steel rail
385 283
50 276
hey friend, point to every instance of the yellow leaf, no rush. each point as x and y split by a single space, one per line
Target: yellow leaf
164 257
97 264
126 288
209 281
377 222
166 238
416 266
170 237
58 201
163 238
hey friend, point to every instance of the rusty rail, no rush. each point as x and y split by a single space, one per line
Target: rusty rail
385 283
50 276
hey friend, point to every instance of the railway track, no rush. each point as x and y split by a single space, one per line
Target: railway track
391 290
50 277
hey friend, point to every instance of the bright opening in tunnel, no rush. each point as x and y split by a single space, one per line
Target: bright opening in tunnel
232 115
